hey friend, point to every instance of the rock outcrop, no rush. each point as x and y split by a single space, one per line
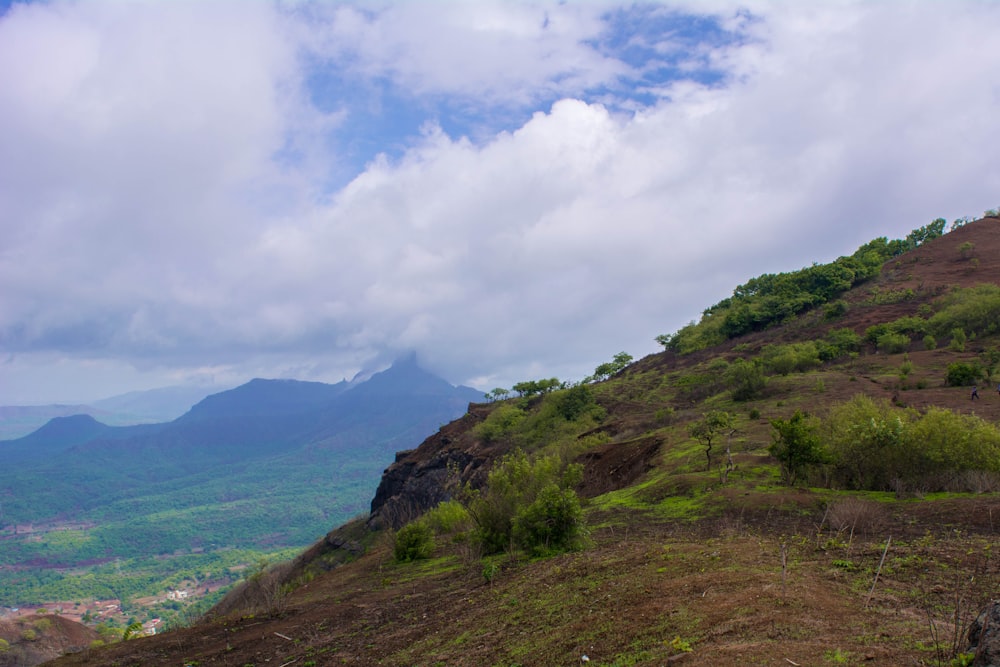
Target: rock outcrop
984 637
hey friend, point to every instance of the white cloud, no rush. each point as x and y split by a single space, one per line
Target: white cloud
164 203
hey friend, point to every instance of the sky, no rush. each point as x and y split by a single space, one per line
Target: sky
207 192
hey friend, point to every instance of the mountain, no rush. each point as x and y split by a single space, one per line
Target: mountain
137 407
708 538
267 465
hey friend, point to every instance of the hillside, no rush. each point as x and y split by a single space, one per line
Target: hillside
692 554
30 640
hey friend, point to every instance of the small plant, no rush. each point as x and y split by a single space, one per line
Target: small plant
836 656
754 413
962 660
930 342
680 645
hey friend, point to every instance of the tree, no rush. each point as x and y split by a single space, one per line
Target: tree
609 368
796 446
498 394
706 430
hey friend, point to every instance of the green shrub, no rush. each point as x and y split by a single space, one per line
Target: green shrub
414 541
930 342
832 311
962 374
448 517
499 423
958 339
522 494
874 332
571 404
838 343
893 343
796 446
550 523
4 646
974 310
792 357
746 379
866 440
878 447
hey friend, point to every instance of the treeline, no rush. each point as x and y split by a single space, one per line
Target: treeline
770 299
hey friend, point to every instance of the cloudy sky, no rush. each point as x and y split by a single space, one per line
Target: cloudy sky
205 192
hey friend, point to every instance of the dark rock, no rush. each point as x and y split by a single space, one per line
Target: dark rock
984 637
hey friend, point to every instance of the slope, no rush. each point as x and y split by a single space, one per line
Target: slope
725 566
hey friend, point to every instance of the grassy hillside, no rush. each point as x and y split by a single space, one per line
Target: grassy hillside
814 487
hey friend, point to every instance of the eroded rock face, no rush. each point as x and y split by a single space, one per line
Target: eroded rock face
421 478
984 637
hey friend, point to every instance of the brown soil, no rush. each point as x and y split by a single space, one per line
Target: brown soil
642 591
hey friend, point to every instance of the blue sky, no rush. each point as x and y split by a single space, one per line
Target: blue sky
206 192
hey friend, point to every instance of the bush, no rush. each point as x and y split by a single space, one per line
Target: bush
796 446
930 342
962 374
414 541
499 423
448 517
958 339
550 523
878 447
797 357
893 343
527 504
573 403
838 343
746 379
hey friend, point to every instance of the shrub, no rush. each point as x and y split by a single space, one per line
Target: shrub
866 440
499 423
974 310
893 343
575 402
448 517
797 357
832 311
414 541
519 497
746 379
874 332
958 339
930 342
796 446
550 523
878 447
962 374
839 342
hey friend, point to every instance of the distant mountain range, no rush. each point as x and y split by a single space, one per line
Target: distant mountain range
136 407
270 463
